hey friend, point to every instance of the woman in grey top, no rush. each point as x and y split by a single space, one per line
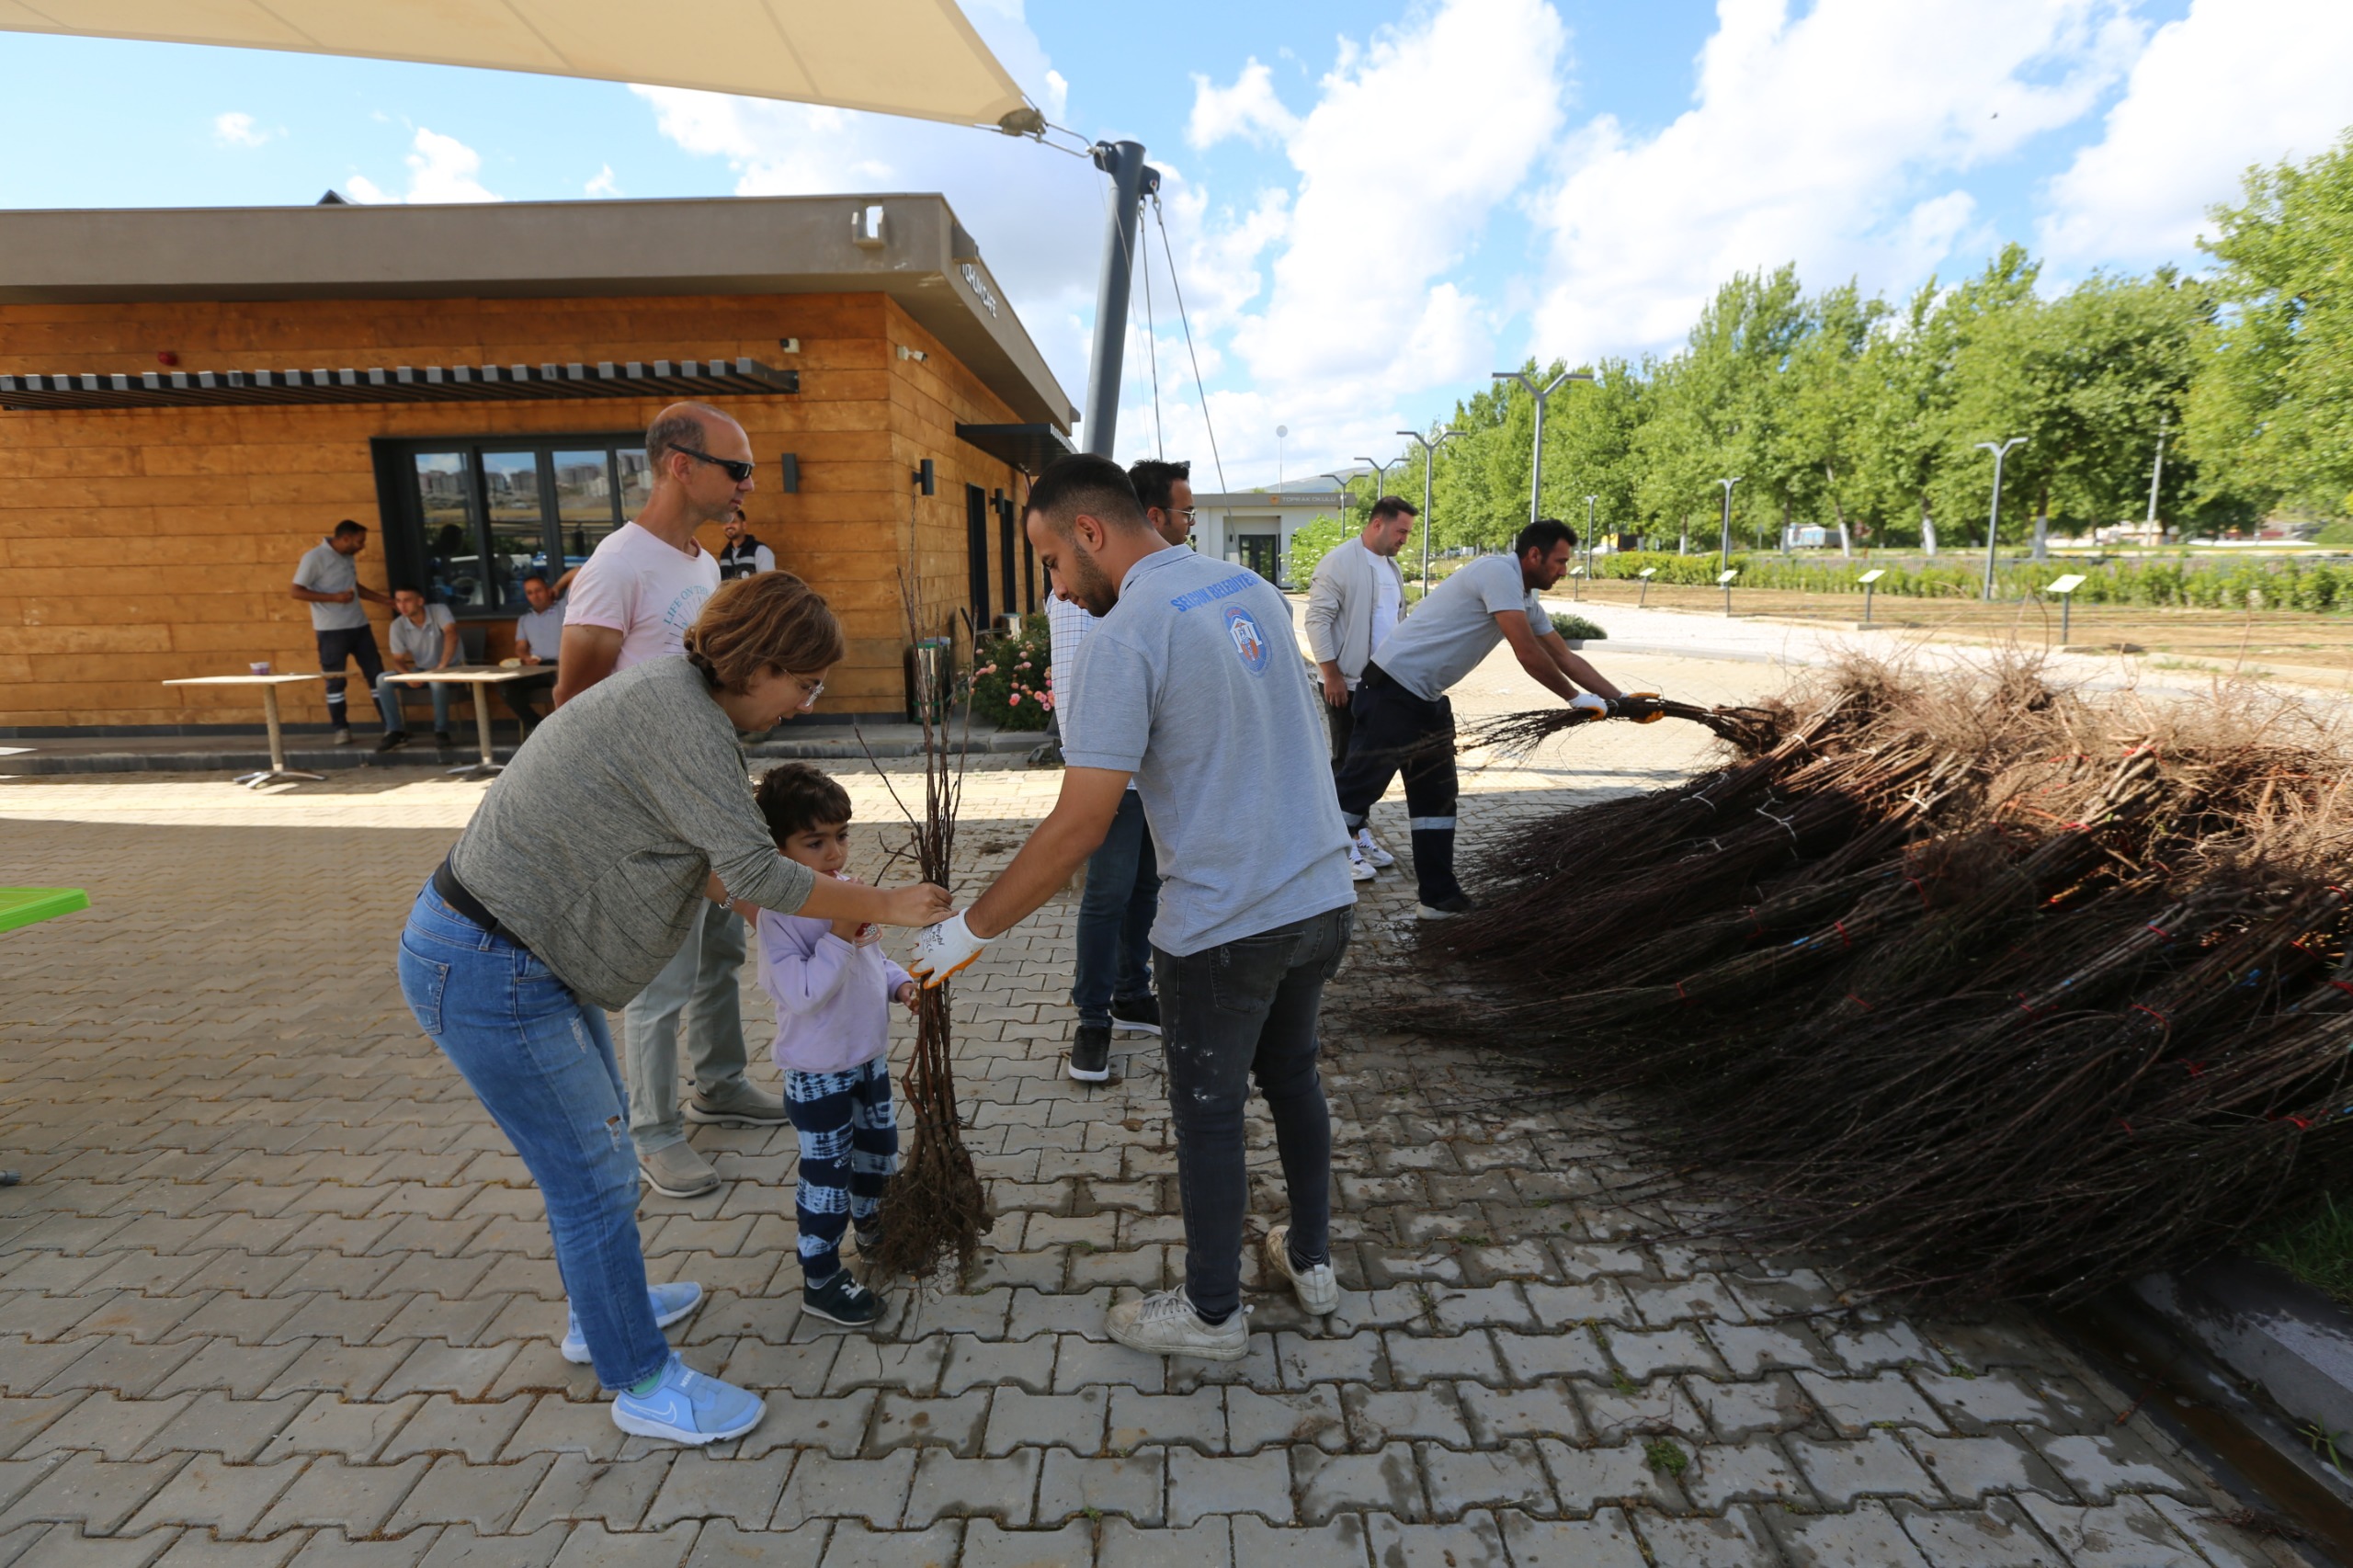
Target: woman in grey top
568 892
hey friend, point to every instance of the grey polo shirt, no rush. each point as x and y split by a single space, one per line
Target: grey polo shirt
1192 685
1454 628
423 644
326 570
542 629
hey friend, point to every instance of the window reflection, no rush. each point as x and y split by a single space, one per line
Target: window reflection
584 501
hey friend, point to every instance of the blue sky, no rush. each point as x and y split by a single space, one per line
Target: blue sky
1371 205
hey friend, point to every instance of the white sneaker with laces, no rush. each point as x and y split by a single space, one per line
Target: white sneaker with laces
1165 1323
1359 867
1318 1288
1370 847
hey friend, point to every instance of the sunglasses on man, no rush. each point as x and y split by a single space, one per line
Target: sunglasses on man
737 472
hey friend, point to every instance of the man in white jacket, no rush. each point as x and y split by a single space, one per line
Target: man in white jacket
1353 603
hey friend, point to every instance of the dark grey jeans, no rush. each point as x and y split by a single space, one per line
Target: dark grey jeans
1243 1010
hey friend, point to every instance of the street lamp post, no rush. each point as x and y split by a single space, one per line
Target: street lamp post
1994 522
1429 462
2156 475
1280 431
1381 474
1723 547
1536 468
1588 533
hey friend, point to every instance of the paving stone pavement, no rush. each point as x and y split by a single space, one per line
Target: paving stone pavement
275 1292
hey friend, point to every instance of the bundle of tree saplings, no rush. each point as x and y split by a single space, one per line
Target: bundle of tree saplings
2001 990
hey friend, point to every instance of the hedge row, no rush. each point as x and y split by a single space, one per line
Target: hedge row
2190 583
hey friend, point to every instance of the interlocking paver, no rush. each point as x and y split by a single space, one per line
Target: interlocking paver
279 1230
1605 1540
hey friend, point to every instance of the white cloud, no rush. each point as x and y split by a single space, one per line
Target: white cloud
1434 124
237 129
604 184
1830 139
1248 108
2234 82
442 168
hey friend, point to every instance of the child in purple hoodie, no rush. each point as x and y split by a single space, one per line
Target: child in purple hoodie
833 989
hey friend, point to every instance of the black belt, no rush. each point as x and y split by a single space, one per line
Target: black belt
453 893
1375 675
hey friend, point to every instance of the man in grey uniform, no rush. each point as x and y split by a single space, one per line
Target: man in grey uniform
1403 718
1188 685
327 579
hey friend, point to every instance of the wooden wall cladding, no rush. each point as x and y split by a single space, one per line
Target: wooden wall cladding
139 544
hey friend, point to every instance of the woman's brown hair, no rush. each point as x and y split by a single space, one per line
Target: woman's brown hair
769 620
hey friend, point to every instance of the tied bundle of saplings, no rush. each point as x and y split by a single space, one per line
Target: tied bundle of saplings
934 1208
1998 990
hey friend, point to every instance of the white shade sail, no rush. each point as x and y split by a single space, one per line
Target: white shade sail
919 58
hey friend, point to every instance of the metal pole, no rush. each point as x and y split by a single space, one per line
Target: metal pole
1723 547
1536 467
2155 476
1994 522
1132 179
1588 534
1429 462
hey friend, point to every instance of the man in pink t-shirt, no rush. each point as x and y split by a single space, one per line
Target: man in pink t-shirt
631 602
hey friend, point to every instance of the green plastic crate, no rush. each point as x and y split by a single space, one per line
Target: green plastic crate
27 907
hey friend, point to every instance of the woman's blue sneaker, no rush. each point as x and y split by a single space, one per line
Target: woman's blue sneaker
670 1303
687 1407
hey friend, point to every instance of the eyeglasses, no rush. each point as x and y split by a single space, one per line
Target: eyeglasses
809 694
737 472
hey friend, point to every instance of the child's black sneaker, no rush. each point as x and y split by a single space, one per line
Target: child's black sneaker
842 1300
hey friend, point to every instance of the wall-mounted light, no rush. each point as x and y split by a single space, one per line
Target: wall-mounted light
925 480
789 345
791 462
866 226
916 354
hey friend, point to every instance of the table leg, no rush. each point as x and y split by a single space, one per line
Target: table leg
277 768
489 763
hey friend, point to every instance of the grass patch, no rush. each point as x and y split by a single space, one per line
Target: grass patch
1664 1456
2316 1247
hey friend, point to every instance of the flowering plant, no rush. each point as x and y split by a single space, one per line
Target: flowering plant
1010 685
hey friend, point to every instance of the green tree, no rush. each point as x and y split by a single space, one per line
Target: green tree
1820 435
2270 414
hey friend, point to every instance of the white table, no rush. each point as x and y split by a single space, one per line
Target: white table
481 677
269 685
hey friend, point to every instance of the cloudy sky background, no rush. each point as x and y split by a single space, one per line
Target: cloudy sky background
1370 206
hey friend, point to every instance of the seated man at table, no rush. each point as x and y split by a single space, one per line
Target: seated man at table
538 633
425 637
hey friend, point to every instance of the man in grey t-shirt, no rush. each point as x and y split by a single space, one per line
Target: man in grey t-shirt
1403 721
538 635
327 579
1188 685
425 637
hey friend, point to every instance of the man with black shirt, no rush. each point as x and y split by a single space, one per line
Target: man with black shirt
743 553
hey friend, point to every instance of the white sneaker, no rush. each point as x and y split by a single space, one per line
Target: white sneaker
1165 1323
1371 850
1359 867
1318 1288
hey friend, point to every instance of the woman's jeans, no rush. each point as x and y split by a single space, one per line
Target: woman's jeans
1248 1009
541 1061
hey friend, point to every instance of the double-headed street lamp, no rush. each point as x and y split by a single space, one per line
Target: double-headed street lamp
1993 523
1429 462
1723 549
1380 475
1536 468
1588 534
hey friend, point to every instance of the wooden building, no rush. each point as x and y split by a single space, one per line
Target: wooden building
189 399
